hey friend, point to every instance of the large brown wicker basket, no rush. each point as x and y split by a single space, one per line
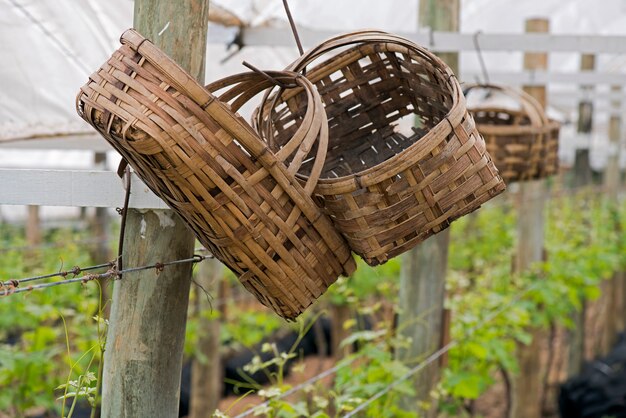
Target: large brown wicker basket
240 199
385 190
522 142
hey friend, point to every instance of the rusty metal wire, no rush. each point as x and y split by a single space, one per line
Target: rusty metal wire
12 286
75 271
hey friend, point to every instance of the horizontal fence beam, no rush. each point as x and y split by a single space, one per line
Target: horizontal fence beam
539 78
78 188
594 95
73 142
440 41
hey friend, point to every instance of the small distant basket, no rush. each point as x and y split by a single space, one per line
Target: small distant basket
523 142
386 191
241 200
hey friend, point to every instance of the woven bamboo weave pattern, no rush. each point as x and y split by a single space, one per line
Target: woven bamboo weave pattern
522 142
242 202
551 166
387 190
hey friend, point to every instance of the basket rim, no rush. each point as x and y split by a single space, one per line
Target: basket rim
405 158
530 106
487 128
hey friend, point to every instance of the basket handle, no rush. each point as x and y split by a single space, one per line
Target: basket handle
363 36
240 88
253 84
530 105
262 119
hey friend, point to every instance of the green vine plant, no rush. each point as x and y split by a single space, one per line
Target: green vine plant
583 247
33 339
87 384
46 333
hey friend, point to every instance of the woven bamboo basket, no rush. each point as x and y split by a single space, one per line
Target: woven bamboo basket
387 190
197 154
523 142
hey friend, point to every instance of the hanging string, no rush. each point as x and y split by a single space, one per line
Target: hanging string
480 57
124 212
294 30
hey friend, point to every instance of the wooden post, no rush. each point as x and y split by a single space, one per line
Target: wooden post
614 317
339 314
101 250
143 357
423 272
206 373
582 165
33 236
612 173
421 315
527 386
582 178
33 226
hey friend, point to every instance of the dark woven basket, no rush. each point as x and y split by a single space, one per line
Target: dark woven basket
240 199
387 190
523 142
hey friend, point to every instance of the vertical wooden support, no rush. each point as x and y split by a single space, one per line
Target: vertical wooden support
100 227
527 386
421 316
143 357
612 173
582 165
339 314
581 178
614 318
33 237
33 226
206 373
423 272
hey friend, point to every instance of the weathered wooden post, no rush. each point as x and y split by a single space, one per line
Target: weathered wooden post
100 225
582 178
614 313
612 172
206 374
527 386
33 235
33 225
143 357
582 164
423 272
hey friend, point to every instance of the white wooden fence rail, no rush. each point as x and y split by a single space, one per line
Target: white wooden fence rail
443 41
79 188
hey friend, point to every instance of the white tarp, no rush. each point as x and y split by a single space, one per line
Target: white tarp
48 47
47 50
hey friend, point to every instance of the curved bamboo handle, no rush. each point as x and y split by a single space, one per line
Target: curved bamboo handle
314 127
530 105
244 87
